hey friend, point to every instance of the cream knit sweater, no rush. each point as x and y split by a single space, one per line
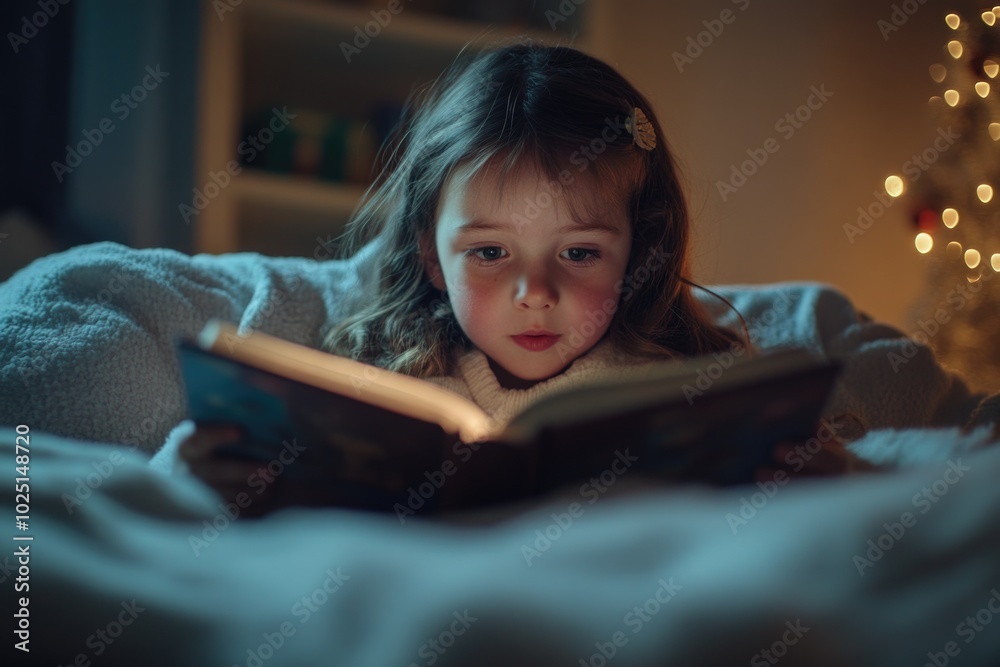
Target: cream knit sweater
476 381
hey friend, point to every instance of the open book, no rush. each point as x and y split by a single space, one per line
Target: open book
390 442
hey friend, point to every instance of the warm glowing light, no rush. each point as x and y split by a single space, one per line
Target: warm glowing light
924 242
938 72
982 88
953 21
951 97
935 99
955 48
989 18
990 67
995 261
972 258
894 186
954 250
984 192
995 131
973 279
949 217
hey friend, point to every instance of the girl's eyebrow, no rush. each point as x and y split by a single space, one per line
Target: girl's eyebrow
476 225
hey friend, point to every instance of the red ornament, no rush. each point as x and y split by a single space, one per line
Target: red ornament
927 220
977 62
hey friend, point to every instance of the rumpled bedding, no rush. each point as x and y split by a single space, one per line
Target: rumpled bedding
87 362
878 569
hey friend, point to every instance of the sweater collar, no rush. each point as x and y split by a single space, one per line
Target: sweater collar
474 368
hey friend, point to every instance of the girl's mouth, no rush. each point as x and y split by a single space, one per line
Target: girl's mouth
536 342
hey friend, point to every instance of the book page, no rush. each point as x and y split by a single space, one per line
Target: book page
672 382
393 391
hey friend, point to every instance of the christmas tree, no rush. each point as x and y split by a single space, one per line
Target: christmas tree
953 188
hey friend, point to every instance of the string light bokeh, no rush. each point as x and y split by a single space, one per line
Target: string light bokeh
950 188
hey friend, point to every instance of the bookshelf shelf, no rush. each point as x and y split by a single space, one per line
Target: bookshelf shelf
288 54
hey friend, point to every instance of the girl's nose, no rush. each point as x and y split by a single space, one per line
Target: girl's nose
536 292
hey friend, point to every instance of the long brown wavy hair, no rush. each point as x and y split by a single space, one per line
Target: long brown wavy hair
522 104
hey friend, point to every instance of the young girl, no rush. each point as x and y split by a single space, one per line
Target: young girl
534 236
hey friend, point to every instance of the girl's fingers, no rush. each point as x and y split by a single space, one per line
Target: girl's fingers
235 479
221 471
832 458
206 439
764 474
231 480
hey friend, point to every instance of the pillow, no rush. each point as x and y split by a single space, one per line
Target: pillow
87 335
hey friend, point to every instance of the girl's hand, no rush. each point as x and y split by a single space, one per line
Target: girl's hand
810 459
255 486
238 481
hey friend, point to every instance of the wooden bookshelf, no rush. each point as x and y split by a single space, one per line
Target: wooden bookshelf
287 54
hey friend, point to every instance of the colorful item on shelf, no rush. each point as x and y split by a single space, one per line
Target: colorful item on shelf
316 145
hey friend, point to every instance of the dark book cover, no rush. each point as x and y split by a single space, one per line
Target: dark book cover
368 457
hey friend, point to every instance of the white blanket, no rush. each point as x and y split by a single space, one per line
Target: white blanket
876 570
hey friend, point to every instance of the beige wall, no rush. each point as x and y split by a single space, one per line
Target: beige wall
787 221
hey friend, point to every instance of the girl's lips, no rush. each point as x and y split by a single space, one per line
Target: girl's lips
536 343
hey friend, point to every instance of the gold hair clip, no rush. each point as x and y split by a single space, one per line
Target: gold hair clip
641 129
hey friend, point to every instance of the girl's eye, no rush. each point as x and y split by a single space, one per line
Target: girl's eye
489 254
583 256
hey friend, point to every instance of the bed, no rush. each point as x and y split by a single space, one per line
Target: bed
130 564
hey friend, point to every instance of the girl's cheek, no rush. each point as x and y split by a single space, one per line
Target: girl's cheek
595 297
474 317
470 302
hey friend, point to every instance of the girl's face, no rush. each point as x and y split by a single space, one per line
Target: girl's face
515 263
